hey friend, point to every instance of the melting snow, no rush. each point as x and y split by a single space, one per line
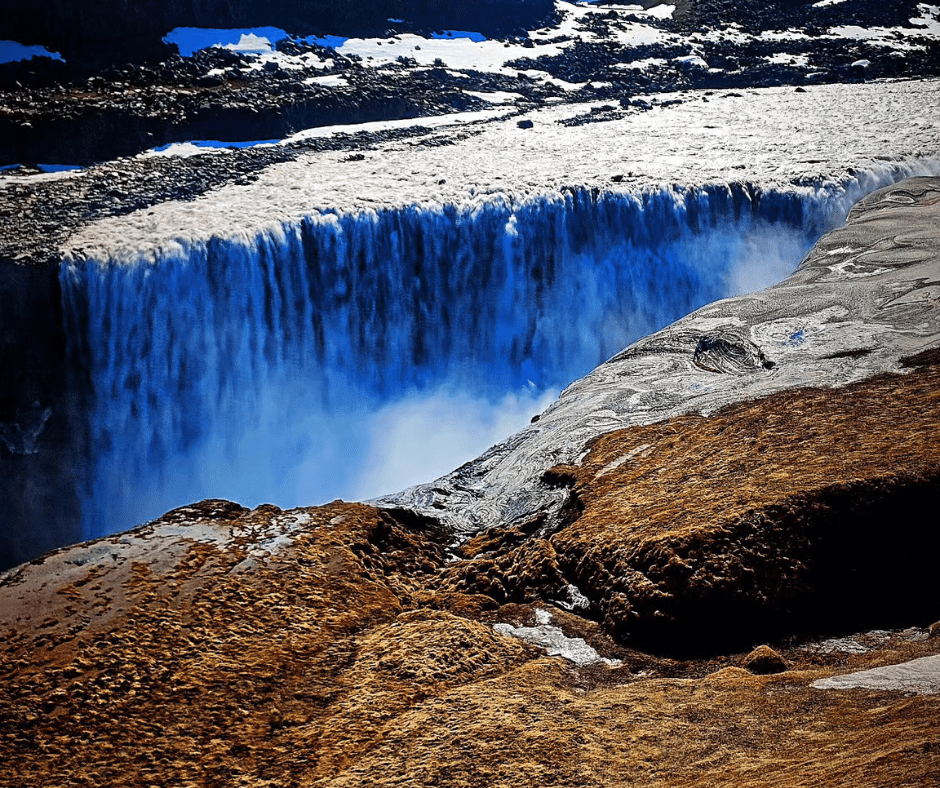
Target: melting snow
467 50
555 642
11 51
783 35
927 25
496 96
643 64
47 172
768 130
200 147
328 81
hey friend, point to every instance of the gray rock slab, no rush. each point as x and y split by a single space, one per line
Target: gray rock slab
866 296
920 676
555 642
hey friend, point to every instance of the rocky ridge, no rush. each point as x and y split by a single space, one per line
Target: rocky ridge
858 304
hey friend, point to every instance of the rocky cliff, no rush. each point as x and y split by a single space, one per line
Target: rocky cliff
777 487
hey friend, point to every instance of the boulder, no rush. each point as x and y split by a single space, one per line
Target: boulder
763 661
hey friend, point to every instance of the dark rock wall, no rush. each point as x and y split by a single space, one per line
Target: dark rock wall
39 440
96 32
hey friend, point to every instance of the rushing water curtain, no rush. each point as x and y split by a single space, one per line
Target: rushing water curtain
255 367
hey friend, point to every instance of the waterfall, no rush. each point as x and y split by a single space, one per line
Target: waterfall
320 358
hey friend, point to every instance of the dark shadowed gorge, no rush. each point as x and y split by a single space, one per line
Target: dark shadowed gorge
660 283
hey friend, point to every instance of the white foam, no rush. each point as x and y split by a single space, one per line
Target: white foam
768 130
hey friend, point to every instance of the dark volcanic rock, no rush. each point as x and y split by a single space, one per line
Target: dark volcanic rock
98 32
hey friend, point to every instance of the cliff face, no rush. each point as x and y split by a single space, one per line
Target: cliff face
96 32
350 645
39 405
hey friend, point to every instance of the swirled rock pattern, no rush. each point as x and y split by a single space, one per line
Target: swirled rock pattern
741 503
863 299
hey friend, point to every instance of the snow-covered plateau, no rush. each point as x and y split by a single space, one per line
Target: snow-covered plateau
775 138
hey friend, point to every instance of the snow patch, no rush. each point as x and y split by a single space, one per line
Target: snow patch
12 51
642 65
495 96
783 35
555 642
328 81
786 59
692 60
200 147
927 25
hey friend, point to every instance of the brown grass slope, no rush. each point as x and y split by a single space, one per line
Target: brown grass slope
358 653
332 663
809 508
343 645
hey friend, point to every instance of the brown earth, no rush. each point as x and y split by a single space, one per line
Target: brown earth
344 645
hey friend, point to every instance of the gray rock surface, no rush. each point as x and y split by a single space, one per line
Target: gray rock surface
865 297
920 676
